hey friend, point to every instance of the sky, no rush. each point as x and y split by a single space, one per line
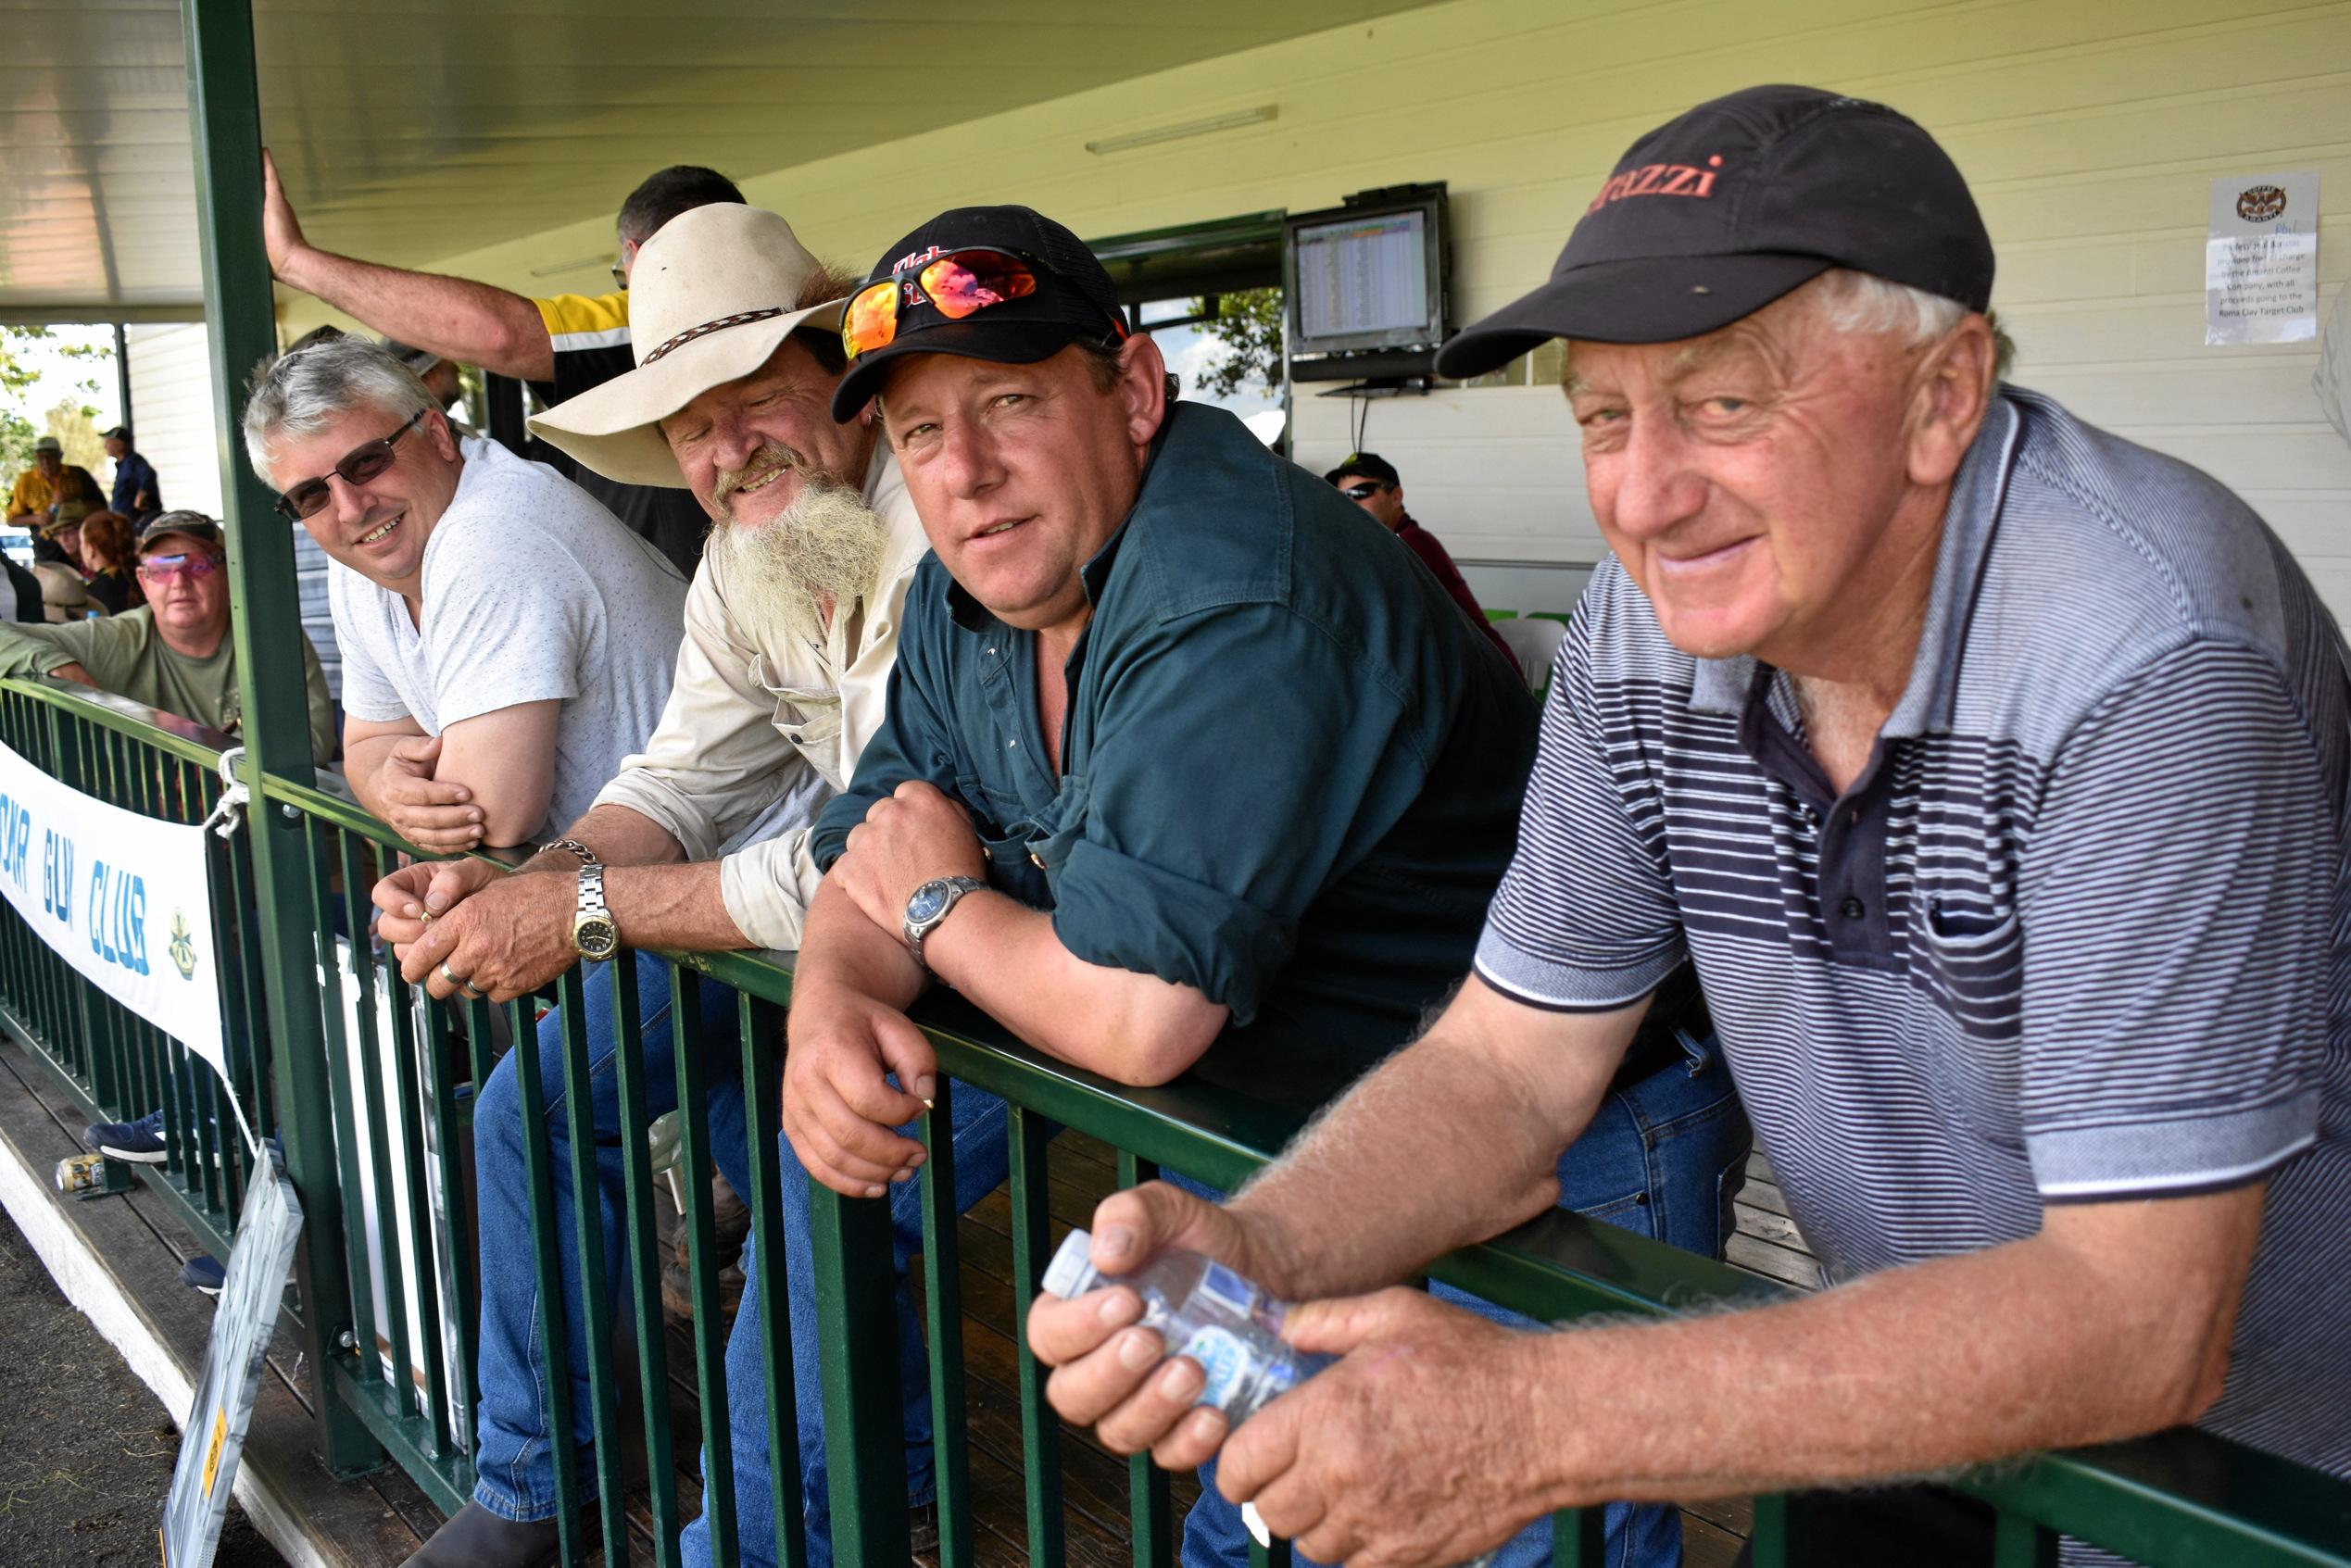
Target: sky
60 376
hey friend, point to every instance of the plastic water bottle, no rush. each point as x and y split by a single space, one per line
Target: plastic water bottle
1232 1326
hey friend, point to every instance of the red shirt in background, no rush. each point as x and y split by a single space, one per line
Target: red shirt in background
1432 555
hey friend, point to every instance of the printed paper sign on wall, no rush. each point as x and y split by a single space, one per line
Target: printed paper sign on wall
125 897
2261 259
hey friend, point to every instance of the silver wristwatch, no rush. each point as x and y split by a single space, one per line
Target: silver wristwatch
593 933
930 905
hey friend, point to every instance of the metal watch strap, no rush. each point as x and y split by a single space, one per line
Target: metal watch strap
591 893
960 886
588 856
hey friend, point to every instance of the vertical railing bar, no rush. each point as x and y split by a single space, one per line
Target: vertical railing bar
587 1232
1149 1507
644 1250
943 1313
701 1245
1273 1555
1040 1429
418 1205
457 1257
315 861
539 1164
1768 1537
381 1130
758 1022
2018 1542
1580 1538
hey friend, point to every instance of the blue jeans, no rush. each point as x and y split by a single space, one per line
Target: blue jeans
514 1464
982 1161
1662 1158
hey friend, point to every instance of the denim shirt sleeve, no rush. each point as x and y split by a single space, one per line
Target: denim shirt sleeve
1239 763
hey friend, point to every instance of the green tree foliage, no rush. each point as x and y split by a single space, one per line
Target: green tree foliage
71 419
1250 326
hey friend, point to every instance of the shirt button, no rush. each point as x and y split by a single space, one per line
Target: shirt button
1851 909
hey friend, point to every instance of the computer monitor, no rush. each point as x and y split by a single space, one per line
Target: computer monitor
1367 285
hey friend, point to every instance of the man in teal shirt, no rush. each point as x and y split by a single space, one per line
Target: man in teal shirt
1187 766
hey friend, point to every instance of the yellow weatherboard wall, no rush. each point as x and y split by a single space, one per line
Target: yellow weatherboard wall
2089 129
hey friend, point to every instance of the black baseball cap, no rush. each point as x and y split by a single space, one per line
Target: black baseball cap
1075 298
1364 465
119 432
1716 214
194 525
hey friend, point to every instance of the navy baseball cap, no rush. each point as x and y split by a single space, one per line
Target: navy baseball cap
1723 209
1073 298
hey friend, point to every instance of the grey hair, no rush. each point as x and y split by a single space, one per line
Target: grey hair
308 386
1862 302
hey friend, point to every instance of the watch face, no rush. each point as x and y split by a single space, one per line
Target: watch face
596 939
928 900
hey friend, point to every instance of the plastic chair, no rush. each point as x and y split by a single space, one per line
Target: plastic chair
1534 642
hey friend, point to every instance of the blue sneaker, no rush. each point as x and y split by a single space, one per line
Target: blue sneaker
203 1273
140 1142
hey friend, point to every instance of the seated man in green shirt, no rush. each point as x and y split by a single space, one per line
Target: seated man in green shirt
174 653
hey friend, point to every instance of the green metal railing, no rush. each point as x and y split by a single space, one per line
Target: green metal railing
391 1079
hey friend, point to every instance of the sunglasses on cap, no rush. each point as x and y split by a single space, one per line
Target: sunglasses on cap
162 568
366 461
959 284
1362 489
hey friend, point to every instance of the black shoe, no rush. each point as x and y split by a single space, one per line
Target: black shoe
140 1142
474 1538
203 1273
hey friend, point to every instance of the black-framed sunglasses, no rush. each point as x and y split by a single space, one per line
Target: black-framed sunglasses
1363 490
366 461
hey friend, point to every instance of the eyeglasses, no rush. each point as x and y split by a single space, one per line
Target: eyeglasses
959 284
162 568
360 464
620 275
1366 489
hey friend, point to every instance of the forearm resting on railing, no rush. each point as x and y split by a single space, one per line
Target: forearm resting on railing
2113 1321
656 900
1453 1140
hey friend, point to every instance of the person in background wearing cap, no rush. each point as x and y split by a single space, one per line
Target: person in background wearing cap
443 381
502 686
1994 771
173 653
701 840
1187 769
49 480
137 494
56 561
562 346
1370 481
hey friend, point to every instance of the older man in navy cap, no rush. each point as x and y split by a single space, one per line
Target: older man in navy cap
1994 772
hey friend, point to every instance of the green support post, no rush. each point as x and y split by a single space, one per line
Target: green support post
224 111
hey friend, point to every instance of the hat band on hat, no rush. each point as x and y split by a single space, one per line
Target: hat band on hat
707 328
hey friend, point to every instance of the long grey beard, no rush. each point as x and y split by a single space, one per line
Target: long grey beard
826 548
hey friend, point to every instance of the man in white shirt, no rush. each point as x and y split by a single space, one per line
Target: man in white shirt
504 638
701 841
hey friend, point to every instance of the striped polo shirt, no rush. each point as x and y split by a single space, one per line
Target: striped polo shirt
2080 931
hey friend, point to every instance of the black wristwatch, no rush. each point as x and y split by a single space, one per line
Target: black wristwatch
930 905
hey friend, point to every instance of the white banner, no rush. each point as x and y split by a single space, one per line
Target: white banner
125 898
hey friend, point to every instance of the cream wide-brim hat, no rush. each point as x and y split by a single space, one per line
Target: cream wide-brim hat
712 296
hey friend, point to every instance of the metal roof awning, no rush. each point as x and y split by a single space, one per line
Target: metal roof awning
411 131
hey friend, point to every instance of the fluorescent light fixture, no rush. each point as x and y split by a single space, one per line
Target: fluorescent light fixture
579 266
1232 121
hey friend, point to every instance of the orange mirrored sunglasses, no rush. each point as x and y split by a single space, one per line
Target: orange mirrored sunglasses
960 283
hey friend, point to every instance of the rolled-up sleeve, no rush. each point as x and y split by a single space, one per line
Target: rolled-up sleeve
1243 764
714 764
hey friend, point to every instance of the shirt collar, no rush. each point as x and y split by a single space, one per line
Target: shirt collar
1969 521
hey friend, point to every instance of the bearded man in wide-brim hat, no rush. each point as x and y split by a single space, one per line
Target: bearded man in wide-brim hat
702 842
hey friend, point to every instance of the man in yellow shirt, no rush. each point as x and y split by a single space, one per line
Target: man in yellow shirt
50 479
